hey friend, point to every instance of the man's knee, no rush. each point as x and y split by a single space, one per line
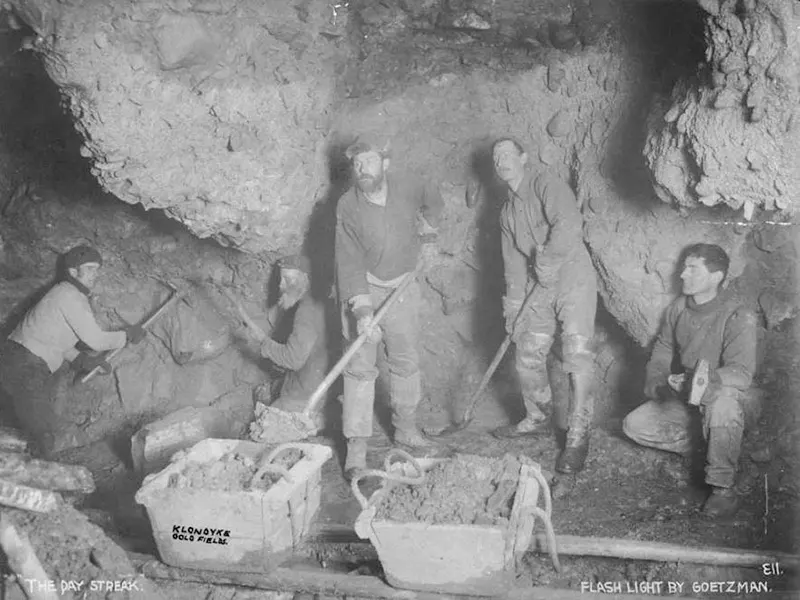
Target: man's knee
577 353
636 424
362 367
726 409
532 349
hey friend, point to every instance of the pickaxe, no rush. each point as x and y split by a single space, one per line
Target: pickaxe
174 297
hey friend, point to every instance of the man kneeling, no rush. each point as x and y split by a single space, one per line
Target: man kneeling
704 323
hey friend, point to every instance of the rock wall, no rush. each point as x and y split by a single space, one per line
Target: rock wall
213 110
731 135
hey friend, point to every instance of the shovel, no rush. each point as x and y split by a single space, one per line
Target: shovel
172 299
469 414
281 426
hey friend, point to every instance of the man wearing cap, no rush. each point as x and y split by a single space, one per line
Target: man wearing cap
47 336
305 353
544 255
382 223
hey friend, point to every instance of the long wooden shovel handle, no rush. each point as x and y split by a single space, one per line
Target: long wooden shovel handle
337 369
501 352
172 300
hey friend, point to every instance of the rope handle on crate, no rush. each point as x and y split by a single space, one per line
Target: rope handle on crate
386 475
267 467
526 525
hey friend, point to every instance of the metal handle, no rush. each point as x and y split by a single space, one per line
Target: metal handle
501 352
266 465
386 475
172 299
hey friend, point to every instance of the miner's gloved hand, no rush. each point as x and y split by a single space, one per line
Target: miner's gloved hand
364 316
135 333
85 363
511 309
677 382
653 388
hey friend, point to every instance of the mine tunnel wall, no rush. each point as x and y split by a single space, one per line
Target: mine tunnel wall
583 114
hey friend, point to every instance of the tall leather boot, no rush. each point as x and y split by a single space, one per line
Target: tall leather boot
573 457
561 389
406 393
358 402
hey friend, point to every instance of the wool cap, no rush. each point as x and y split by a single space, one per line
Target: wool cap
298 262
81 255
368 142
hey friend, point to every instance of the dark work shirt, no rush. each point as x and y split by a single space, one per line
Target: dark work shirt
382 240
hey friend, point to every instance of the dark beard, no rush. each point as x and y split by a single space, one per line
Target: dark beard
368 185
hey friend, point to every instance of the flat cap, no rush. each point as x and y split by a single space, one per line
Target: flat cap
298 262
81 255
368 142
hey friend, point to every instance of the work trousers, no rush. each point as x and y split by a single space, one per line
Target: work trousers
399 338
672 424
28 388
567 309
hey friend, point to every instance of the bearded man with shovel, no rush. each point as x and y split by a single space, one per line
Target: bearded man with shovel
47 336
378 243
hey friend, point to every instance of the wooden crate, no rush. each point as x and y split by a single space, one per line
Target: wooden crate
476 560
250 531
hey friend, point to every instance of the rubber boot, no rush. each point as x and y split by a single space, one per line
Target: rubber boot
572 458
722 503
537 399
406 393
358 403
560 386
356 459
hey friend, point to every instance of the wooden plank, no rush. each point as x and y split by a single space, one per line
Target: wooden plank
46 475
27 498
575 545
319 581
25 564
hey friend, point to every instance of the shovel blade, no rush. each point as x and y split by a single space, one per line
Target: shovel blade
449 430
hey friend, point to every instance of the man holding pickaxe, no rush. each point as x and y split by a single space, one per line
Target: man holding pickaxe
713 338
551 286
378 240
47 336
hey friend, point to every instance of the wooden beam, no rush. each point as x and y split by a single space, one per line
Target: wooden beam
576 545
319 581
45 475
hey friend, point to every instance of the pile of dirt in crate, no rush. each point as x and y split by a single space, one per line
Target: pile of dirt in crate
466 490
233 472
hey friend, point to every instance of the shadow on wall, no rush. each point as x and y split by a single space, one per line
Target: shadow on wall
668 37
487 322
319 244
